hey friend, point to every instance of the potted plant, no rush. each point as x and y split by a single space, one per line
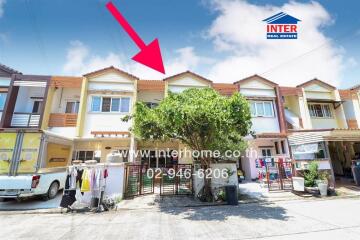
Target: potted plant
322 183
316 180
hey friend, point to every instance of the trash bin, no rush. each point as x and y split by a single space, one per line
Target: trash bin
356 173
231 194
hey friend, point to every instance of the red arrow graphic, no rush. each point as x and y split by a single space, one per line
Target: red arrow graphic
149 55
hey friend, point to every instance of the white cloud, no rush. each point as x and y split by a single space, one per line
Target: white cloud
238 32
2 3
79 60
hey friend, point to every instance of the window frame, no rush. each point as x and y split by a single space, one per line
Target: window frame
263 103
75 107
314 111
111 102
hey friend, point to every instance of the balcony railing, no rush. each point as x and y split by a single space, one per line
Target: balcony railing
25 120
63 120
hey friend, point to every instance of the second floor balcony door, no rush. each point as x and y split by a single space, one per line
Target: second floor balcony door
37 107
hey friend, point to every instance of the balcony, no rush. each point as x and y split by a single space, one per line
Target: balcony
20 119
63 120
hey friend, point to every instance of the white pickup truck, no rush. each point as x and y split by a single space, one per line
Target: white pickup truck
32 164
45 183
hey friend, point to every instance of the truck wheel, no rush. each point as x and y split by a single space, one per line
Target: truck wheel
52 192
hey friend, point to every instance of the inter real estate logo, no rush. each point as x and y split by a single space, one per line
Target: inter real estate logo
281 26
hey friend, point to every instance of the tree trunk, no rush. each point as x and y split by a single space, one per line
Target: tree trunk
205 193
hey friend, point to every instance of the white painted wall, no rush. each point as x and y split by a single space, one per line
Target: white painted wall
150 96
62 96
105 121
126 87
69 132
265 124
179 89
24 103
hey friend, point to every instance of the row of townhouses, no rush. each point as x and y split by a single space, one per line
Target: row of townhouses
312 121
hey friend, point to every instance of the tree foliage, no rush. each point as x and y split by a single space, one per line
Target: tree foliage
200 118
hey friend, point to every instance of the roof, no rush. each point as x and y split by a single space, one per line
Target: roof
8 69
111 68
290 91
356 87
346 94
187 72
281 18
64 81
225 88
315 80
151 85
256 76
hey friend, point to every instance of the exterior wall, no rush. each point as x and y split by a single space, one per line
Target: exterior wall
105 121
108 84
24 103
62 96
265 124
254 151
177 85
148 96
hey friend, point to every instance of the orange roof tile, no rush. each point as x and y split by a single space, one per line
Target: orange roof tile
290 91
225 88
67 82
187 72
256 76
315 80
108 69
151 85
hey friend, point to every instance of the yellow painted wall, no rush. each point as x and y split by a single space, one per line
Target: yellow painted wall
57 155
7 145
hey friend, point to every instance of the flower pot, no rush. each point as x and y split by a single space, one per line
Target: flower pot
323 188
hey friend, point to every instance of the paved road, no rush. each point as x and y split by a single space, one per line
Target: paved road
320 219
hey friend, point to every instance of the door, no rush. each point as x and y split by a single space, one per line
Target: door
7 148
29 154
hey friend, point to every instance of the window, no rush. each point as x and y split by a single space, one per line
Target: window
36 107
2 100
125 105
261 109
320 110
283 146
72 107
108 104
115 104
86 155
151 104
95 104
277 148
310 151
266 152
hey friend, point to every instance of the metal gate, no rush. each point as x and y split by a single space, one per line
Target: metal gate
279 176
138 181
176 180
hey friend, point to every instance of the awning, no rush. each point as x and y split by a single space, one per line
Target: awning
313 136
292 118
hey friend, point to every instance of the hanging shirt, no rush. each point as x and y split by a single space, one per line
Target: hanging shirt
85 185
73 175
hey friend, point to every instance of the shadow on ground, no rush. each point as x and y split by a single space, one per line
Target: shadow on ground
222 212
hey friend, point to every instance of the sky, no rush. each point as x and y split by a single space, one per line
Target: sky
223 40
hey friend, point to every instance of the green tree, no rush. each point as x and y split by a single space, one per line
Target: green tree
200 118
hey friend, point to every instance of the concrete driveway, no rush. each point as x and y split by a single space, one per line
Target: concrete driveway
30 204
322 219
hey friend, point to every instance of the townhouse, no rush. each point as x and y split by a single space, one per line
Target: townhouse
322 124
81 118
26 145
